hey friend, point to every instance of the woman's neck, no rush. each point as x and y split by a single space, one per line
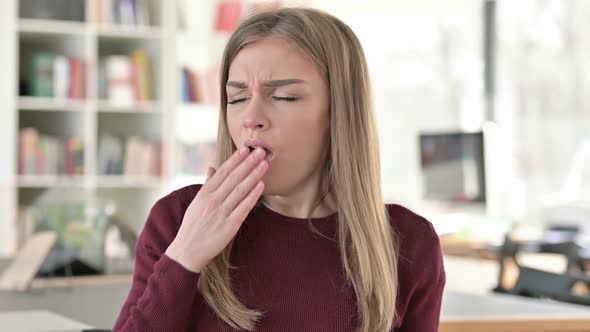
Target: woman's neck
298 207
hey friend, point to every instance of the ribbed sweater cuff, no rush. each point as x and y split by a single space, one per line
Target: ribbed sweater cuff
171 270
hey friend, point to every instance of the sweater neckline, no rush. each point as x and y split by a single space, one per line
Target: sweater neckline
274 214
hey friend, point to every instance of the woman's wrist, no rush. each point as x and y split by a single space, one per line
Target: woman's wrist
176 253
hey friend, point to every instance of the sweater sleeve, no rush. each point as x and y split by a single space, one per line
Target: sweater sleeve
162 291
423 311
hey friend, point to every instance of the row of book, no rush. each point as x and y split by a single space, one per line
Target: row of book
191 86
126 80
126 12
199 87
133 156
194 159
40 154
53 75
68 10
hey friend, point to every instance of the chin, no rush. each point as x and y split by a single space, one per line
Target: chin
270 185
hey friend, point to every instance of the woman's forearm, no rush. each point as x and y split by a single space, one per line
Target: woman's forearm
160 302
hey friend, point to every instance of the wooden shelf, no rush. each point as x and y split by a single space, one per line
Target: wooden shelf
149 107
55 27
26 103
46 181
128 31
127 181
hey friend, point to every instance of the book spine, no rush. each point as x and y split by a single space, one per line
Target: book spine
42 65
184 84
142 77
75 81
120 85
60 77
42 155
28 142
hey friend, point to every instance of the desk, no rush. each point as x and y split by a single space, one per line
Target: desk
38 321
505 313
95 305
461 312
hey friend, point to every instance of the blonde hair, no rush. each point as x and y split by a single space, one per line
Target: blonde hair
368 245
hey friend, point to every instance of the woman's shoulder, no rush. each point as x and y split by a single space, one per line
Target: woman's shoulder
408 223
418 241
165 217
421 273
177 201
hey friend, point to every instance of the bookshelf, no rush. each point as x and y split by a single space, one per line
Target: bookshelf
91 113
131 142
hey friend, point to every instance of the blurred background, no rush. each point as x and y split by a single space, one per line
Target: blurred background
483 109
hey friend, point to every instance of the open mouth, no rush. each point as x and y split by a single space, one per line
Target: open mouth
269 154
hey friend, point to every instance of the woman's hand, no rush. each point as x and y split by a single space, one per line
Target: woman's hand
216 213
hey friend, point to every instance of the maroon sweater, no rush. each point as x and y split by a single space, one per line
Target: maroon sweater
293 275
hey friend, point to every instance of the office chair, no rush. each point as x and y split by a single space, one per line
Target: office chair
572 286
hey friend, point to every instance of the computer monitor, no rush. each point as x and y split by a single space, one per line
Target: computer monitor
453 166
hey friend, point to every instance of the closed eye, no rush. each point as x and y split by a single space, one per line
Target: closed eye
287 99
284 98
235 101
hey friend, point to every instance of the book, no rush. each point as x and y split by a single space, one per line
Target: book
28 142
76 87
193 159
125 12
131 156
142 12
195 86
185 93
61 77
74 156
142 77
228 15
199 87
47 155
110 155
127 78
69 10
57 76
41 74
120 83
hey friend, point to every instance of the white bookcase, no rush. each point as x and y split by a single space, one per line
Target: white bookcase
165 117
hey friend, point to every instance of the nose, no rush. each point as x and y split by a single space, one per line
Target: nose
254 116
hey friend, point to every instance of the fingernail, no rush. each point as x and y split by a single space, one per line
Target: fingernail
260 152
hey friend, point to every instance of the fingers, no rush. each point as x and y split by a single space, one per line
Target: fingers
245 187
234 179
223 172
210 172
239 214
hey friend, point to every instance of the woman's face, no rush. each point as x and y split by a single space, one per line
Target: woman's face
275 94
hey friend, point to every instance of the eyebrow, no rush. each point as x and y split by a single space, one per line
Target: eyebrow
269 84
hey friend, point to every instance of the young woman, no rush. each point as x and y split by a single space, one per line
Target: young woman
290 233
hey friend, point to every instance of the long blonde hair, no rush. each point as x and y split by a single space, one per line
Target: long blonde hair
368 245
